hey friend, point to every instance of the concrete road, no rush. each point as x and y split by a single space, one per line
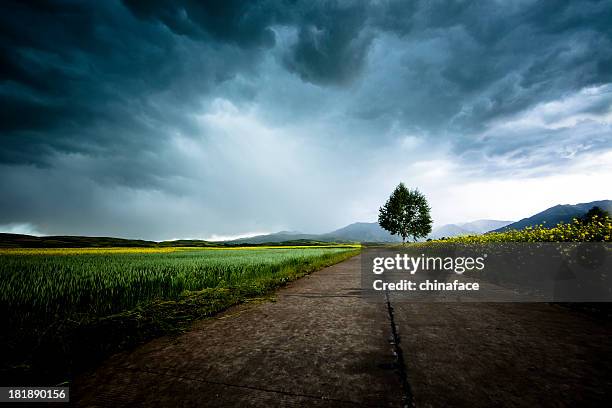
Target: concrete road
322 344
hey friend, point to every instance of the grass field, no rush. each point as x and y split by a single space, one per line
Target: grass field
77 302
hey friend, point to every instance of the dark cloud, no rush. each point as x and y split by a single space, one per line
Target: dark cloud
96 80
489 60
332 43
244 23
103 95
332 39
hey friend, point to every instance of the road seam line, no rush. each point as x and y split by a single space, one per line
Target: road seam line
408 397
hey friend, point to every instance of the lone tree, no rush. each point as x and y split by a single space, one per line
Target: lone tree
406 213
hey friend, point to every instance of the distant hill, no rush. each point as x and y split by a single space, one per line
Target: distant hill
467 228
559 213
449 230
276 237
372 232
482 226
360 232
29 241
356 232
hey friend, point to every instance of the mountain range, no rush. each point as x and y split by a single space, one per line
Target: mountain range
356 232
372 232
559 213
467 228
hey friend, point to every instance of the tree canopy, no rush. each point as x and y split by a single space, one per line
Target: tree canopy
595 213
406 213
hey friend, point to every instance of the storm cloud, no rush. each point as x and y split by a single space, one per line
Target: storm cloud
165 119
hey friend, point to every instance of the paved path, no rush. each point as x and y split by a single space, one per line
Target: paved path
321 344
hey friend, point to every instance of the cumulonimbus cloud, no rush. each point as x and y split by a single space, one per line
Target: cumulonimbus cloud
98 96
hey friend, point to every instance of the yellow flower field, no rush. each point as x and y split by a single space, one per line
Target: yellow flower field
599 230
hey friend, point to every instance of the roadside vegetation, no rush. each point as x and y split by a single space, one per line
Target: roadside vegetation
595 226
596 229
64 309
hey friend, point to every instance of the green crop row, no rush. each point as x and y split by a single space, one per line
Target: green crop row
65 309
99 284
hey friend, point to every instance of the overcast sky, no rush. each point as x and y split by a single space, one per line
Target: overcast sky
172 119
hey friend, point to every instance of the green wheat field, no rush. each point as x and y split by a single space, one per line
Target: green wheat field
60 304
